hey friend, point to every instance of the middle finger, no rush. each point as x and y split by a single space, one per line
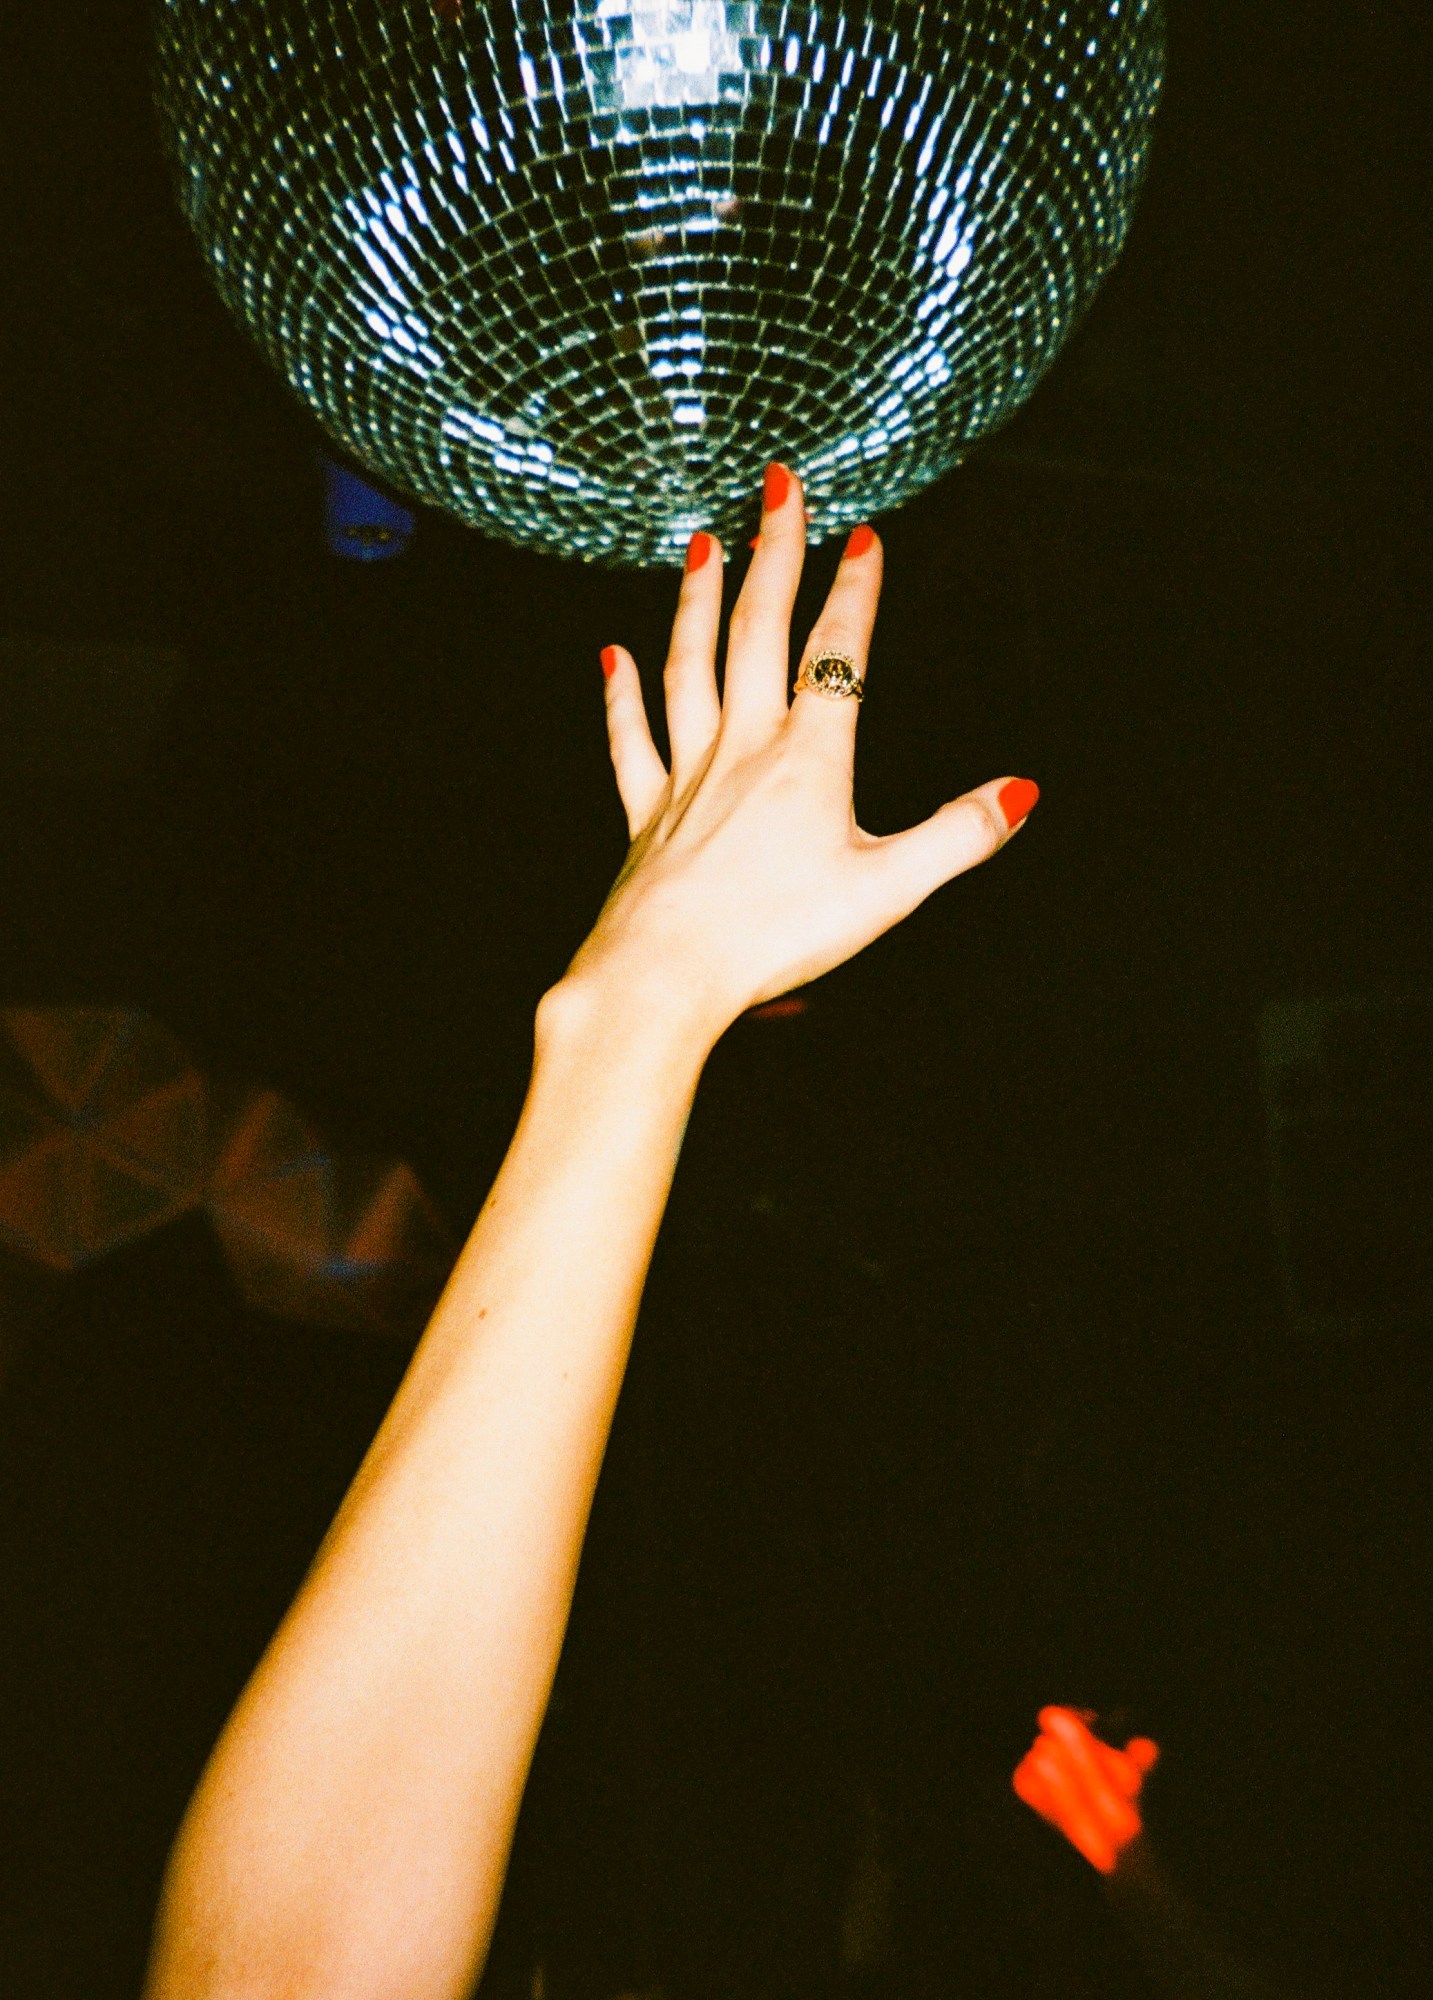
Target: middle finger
754 701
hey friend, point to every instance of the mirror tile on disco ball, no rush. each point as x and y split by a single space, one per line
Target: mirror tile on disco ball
575 273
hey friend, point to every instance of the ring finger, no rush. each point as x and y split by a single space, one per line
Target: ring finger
844 627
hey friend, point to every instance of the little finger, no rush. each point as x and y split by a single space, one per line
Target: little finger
641 774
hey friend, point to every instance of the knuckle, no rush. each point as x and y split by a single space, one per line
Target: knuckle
746 622
834 635
989 821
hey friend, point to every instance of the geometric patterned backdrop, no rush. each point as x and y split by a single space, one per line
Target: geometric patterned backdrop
108 1132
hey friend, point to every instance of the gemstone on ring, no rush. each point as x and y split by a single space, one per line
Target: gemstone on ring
833 674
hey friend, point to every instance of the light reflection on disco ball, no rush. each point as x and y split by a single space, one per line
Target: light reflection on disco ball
575 272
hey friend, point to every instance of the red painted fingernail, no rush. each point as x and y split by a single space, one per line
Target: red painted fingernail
609 662
755 542
775 487
698 549
861 540
1017 800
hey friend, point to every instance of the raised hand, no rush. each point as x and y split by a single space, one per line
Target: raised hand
747 874
1086 1789
351 1833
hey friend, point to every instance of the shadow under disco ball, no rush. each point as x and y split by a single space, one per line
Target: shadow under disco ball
574 270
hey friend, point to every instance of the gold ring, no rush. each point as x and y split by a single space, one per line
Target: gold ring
833 674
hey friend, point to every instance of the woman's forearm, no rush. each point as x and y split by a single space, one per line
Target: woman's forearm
349 1837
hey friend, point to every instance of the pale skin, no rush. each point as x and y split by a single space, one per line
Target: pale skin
349 1837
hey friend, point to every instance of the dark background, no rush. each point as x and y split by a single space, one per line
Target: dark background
963 1382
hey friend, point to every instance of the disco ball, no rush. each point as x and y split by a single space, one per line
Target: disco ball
574 270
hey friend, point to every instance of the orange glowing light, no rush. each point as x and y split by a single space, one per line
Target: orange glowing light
1084 1788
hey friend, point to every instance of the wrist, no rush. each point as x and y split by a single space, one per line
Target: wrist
641 1017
